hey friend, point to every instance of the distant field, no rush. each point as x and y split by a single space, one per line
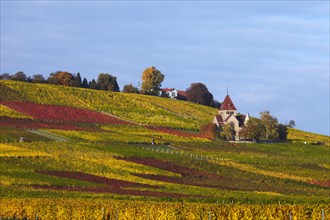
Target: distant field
310 138
102 155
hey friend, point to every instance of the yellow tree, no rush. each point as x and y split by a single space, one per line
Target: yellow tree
151 80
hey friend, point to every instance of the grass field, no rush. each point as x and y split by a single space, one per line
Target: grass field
132 155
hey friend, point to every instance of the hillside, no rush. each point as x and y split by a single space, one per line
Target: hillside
85 144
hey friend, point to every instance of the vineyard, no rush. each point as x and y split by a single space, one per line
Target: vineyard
147 110
114 209
72 153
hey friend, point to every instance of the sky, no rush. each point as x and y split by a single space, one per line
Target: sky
272 55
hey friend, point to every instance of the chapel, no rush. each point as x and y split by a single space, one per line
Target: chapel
228 114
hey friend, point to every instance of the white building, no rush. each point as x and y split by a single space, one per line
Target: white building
173 93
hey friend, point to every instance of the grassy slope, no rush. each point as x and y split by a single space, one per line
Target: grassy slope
253 172
138 108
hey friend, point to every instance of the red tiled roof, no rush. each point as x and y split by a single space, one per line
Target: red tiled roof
167 89
227 104
219 119
182 93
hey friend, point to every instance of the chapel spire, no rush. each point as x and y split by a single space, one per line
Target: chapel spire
227 104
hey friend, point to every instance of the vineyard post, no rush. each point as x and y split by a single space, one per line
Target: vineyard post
37 215
290 215
209 215
102 213
148 215
323 216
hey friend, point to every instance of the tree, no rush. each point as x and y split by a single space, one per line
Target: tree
61 78
92 84
209 130
243 133
5 76
38 78
217 104
198 93
282 131
107 82
292 124
228 132
77 81
84 83
129 88
151 81
254 129
270 123
19 76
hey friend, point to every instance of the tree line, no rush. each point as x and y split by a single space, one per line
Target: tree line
104 81
152 79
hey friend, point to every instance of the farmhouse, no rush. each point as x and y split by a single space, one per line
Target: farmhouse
173 93
228 115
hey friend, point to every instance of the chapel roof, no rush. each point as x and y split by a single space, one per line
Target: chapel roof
227 104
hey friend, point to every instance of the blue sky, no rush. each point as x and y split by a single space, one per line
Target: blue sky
273 55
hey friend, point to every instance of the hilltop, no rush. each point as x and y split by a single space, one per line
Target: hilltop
82 143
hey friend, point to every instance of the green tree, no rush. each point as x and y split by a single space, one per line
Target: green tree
38 78
151 81
198 93
129 88
77 80
292 124
84 83
228 132
93 84
254 129
270 123
108 82
19 76
282 131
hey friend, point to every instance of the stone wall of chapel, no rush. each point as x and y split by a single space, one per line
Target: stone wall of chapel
225 113
234 121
